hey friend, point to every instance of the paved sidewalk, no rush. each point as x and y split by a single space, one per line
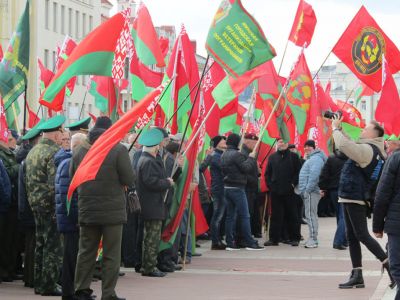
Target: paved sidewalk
282 272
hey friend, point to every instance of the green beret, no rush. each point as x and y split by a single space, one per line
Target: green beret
151 137
52 124
34 131
79 125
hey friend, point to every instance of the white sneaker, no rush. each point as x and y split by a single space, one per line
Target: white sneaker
311 244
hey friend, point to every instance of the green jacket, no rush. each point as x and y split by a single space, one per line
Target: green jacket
12 167
40 176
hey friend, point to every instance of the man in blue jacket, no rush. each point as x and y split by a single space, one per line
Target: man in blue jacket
309 190
67 223
5 200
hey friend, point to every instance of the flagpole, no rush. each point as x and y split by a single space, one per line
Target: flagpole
253 97
187 96
284 53
320 67
349 96
25 102
83 103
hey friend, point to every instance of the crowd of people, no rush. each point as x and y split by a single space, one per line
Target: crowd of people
57 246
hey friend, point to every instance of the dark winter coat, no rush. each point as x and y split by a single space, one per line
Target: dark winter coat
102 201
236 167
282 172
252 176
330 174
66 222
387 198
151 185
217 177
12 167
5 189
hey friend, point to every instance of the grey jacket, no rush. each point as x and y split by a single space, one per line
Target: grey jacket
310 171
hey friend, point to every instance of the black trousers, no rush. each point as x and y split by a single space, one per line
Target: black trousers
355 216
129 233
29 257
254 210
11 241
71 247
284 209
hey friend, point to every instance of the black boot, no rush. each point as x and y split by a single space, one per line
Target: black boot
385 266
355 281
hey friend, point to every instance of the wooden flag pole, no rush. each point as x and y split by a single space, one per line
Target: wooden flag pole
320 67
283 57
187 231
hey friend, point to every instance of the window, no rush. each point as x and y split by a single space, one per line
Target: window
90 108
70 21
62 19
46 58
46 12
83 25
77 24
363 105
55 7
84 80
54 60
125 106
90 23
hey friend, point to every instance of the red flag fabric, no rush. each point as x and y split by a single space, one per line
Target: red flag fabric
351 114
266 106
1 52
63 53
361 47
303 25
45 75
94 118
269 82
33 118
3 123
201 225
387 111
141 114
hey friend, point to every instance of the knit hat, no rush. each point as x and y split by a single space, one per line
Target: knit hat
216 139
103 122
233 140
310 143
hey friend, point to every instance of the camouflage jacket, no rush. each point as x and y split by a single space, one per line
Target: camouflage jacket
40 176
12 167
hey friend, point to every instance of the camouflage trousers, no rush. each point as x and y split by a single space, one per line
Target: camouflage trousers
151 244
48 253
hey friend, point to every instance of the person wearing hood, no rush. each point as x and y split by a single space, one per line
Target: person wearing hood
329 184
101 213
363 158
309 190
282 176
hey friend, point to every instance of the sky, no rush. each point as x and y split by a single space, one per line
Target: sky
276 18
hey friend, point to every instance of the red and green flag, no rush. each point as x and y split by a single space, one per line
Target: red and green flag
145 38
101 53
63 53
183 65
236 41
303 25
3 123
141 114
33 118
104 91
1 53
45 75
362 90
361 47
14 68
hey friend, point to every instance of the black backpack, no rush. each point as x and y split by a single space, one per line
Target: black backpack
372 174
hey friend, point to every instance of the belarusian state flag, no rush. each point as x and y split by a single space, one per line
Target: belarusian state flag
3 123
387 111
362 90
14 68
45 75
361 47
303 25
300 92
103 90
33 118
140 114
183 65
235 39
143 80
102 53
145 38
62 54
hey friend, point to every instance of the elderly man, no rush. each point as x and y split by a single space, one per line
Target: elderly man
363 158
152 184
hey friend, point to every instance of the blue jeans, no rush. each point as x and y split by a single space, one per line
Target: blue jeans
237 207
394 260
219 207
340 234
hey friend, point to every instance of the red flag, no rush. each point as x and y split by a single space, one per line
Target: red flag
33 119
387 111
63 53
303 25
3 123
45 75
201 225
94 118
266 106
90 165
269 82
361 47
1 53
351 114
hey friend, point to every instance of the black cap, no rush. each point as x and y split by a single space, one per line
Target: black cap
310 143
233 140
251 136
292 146
172 147
216 139
103 122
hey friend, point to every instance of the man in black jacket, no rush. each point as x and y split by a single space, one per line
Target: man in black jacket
235 167
282 175
387 213
152 184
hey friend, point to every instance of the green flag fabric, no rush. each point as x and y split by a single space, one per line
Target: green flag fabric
14 68
235 39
